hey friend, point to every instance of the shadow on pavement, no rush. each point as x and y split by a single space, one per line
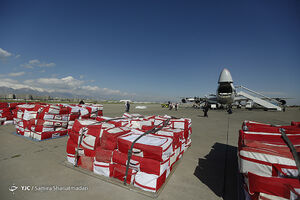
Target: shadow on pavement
219 171
200 116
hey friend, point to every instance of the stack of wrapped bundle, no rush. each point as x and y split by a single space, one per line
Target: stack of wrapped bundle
295 124
86 133
43 121
74 113
7 111
268 157
102 146
83 111
91 111
24 113
50 122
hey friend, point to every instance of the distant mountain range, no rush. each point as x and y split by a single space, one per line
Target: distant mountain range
26 91
23 92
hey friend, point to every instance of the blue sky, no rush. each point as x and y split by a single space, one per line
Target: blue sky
150 49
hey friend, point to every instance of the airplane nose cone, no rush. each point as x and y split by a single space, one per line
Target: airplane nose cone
225 76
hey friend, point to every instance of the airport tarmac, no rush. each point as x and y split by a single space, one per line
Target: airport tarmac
208 170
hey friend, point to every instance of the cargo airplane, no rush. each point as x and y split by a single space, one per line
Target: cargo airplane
226 94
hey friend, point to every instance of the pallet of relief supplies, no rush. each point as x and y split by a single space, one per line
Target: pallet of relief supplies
268 158
155 144
7 111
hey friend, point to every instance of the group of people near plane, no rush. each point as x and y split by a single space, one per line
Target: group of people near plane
172 105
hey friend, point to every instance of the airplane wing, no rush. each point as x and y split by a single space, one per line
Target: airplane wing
198 100
281 100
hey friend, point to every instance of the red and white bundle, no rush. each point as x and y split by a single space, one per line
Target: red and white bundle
265 160
104 144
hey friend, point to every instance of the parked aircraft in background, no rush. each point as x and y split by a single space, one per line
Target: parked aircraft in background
125 100
227 95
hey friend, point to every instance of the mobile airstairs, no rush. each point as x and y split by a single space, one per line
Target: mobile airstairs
260 99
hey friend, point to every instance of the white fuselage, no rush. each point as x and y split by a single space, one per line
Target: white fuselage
226 91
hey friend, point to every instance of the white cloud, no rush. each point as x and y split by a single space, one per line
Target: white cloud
29 82
16 74
4 54
36 63
13 74
14 84
17 56
70 85
91 88
66 84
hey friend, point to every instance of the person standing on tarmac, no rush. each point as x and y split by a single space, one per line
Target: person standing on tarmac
229 111
170 106
205 109
127 106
